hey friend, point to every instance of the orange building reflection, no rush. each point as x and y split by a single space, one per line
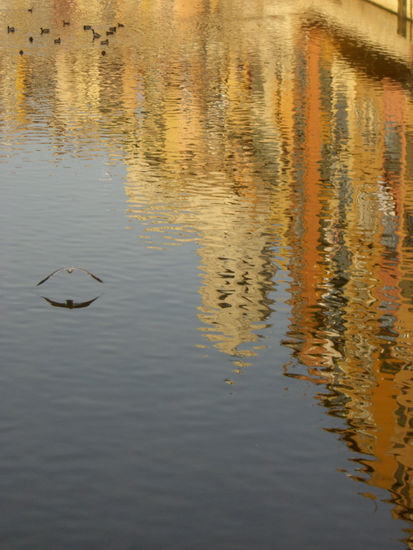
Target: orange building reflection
352 316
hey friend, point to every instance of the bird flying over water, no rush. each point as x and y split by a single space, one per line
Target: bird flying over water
69 269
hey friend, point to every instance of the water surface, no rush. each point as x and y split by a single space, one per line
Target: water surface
240 176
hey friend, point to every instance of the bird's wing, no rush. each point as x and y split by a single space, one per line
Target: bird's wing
50 274
54 303
84 304
95 277
89 273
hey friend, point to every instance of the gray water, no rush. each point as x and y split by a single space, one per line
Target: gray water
242 185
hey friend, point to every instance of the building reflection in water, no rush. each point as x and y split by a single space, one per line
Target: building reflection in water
282 146
352 300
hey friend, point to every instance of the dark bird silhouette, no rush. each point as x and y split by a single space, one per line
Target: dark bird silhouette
113 29
57 40
105 42
103 52
44 31
69 269
30 38
96 35
10 29
66 23
108 33
87 27
30 10
21 52
70 304
120 25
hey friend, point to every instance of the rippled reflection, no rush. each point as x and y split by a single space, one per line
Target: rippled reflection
278 138
352 316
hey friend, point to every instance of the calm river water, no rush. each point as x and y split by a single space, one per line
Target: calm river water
239 173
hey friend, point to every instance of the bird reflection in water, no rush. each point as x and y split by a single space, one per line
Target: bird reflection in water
70 304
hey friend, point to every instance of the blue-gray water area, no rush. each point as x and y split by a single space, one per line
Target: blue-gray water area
241 377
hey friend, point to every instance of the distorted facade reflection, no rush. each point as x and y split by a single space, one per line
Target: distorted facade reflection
351 327
293 156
